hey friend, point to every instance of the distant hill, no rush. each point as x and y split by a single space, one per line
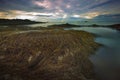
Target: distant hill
67 25
17 22
116 26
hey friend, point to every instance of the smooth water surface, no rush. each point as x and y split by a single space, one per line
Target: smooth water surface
107 59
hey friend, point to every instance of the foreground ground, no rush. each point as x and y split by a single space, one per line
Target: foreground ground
46 55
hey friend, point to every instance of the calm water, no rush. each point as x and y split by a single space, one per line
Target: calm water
107 59
76 23
90 22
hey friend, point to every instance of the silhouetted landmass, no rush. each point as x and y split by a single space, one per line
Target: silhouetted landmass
115 26
95 25
85 21
67 25
17 22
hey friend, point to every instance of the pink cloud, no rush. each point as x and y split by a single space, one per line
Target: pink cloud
46 3
68 6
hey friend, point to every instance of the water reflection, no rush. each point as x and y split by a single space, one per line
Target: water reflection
107 58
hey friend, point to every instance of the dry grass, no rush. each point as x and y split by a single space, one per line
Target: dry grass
47 55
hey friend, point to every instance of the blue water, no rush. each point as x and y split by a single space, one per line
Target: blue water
107 59
90 22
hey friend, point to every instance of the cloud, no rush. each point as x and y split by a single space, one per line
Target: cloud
101 4
24 5
13 14
3 14
45 3
90 15
88 9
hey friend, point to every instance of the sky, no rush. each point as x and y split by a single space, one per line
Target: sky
60 10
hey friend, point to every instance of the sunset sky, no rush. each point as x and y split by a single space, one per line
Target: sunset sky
55 10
